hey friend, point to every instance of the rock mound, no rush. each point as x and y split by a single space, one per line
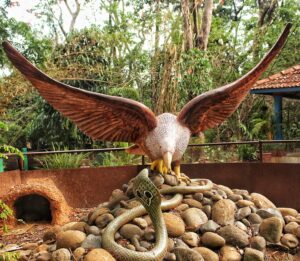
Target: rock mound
220 224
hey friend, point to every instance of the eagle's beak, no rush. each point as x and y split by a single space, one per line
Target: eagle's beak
167 157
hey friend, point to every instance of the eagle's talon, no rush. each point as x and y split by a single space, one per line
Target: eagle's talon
180 176
159 166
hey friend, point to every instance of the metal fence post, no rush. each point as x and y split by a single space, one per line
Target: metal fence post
260 146
25 166
1 165
143 160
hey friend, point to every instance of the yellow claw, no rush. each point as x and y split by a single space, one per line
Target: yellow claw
180 176
154 165
159 166
177 171
165 170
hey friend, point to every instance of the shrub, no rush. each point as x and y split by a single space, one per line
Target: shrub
63 160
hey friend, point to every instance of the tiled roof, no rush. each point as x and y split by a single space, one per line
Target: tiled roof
284 79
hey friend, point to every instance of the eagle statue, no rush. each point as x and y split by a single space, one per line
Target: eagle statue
163 138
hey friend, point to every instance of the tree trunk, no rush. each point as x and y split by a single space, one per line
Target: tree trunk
266 9
187 30
196 23
154 65
206 24
164 101
74 14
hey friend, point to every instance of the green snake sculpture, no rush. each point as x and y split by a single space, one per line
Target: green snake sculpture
149 196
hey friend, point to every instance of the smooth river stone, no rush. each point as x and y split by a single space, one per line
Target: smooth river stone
261 201
244 203
194 218
52 233
212 240
130 230
223 212
174 224
269 212
142 223
92 230
254 218
62 254
289 240
98 212
78 253
271 229
191 238
182 207
288 212
210 226
80 226
70 239
297 232
235 197
103 220
291 228
207 254
234 236
253 255
241 225
171 180
229 253
157 180
243 213
99 254
258 243
193 203
227 190
207 210
91 242
184 254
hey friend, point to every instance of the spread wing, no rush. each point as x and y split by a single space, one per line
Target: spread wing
213 107
102 117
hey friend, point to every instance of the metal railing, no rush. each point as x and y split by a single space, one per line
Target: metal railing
259 144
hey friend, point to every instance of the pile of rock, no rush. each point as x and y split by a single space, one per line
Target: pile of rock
221 224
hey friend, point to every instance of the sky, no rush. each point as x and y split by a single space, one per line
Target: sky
22 11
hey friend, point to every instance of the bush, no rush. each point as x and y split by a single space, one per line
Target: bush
63 161
247 152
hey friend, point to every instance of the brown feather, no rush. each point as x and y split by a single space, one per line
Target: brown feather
213 107
100 116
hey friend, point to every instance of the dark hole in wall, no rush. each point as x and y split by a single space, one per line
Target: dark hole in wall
33 208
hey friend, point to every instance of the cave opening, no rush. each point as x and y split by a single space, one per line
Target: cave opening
33 208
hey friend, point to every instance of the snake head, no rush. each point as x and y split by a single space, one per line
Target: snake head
145 191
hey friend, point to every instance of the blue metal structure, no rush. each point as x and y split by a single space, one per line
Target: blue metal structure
278 94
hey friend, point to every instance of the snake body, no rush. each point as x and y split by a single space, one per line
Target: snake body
149 196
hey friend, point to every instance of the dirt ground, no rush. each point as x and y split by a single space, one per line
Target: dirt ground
23 233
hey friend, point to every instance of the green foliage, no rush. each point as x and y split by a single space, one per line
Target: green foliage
218 154
135 51
247 152
10 256
5 214
195 71
117 159
63 161
7 148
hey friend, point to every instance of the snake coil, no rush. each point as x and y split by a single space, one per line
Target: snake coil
149 196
